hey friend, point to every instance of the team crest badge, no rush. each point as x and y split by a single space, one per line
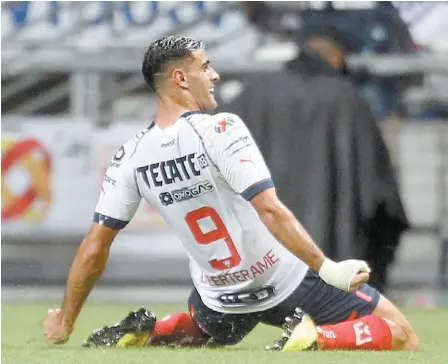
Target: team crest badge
223 125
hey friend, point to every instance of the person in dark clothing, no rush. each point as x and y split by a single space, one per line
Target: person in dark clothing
370 28
326 153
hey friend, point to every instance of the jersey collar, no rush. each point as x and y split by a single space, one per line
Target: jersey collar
188 113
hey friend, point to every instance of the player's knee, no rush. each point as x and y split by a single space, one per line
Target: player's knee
412 342
403 337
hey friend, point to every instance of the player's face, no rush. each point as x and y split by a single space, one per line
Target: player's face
201 81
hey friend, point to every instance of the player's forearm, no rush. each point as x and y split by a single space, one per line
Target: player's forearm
286 229
86 269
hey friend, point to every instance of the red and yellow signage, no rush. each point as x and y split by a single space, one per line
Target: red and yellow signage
34 161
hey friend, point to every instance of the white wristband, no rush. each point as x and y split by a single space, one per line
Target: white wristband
341 274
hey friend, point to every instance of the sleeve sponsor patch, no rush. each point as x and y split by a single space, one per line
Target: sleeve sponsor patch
223 125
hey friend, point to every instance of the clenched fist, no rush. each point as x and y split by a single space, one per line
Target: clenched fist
347 275
55 329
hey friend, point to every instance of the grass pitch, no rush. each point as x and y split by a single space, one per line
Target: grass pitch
23 342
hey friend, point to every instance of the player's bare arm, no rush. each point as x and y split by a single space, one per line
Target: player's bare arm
86 269
286 228
282 223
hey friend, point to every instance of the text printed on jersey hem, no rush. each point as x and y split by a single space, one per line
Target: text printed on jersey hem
260 267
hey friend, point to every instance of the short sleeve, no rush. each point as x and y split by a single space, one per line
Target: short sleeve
119 196
234 152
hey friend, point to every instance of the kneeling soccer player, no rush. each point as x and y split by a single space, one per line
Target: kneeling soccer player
251 260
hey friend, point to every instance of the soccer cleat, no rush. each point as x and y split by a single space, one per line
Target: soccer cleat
300 334
134 330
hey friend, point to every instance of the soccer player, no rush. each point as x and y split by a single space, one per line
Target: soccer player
251 261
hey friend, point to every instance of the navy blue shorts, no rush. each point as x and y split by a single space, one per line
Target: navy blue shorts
324 303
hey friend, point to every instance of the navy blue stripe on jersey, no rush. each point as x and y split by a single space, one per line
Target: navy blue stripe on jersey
188 113
110 222
256 188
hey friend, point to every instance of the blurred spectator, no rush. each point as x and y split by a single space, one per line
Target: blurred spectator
375 27
326 154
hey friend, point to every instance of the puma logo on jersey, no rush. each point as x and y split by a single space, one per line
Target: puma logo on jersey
246 161
173 170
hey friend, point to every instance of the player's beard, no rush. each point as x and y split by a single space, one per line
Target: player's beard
213 102
201 94
207 101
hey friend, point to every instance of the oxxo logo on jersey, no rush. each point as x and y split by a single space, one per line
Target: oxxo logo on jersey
186 193
172 170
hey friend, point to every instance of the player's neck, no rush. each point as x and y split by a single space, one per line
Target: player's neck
169 110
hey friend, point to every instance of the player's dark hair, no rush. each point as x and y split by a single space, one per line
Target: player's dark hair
164 50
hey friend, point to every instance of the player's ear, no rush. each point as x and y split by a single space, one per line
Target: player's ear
180 77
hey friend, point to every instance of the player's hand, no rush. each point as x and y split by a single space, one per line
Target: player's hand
55 330
358 280
347 275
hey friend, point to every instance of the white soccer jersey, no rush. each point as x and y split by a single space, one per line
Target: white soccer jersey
199 174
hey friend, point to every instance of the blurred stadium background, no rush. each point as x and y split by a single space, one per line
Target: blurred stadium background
72 93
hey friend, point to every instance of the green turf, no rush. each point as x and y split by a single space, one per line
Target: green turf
23 342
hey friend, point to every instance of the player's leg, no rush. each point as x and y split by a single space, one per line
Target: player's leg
202 326
199 327
178 329
373 323
345 320
403 335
